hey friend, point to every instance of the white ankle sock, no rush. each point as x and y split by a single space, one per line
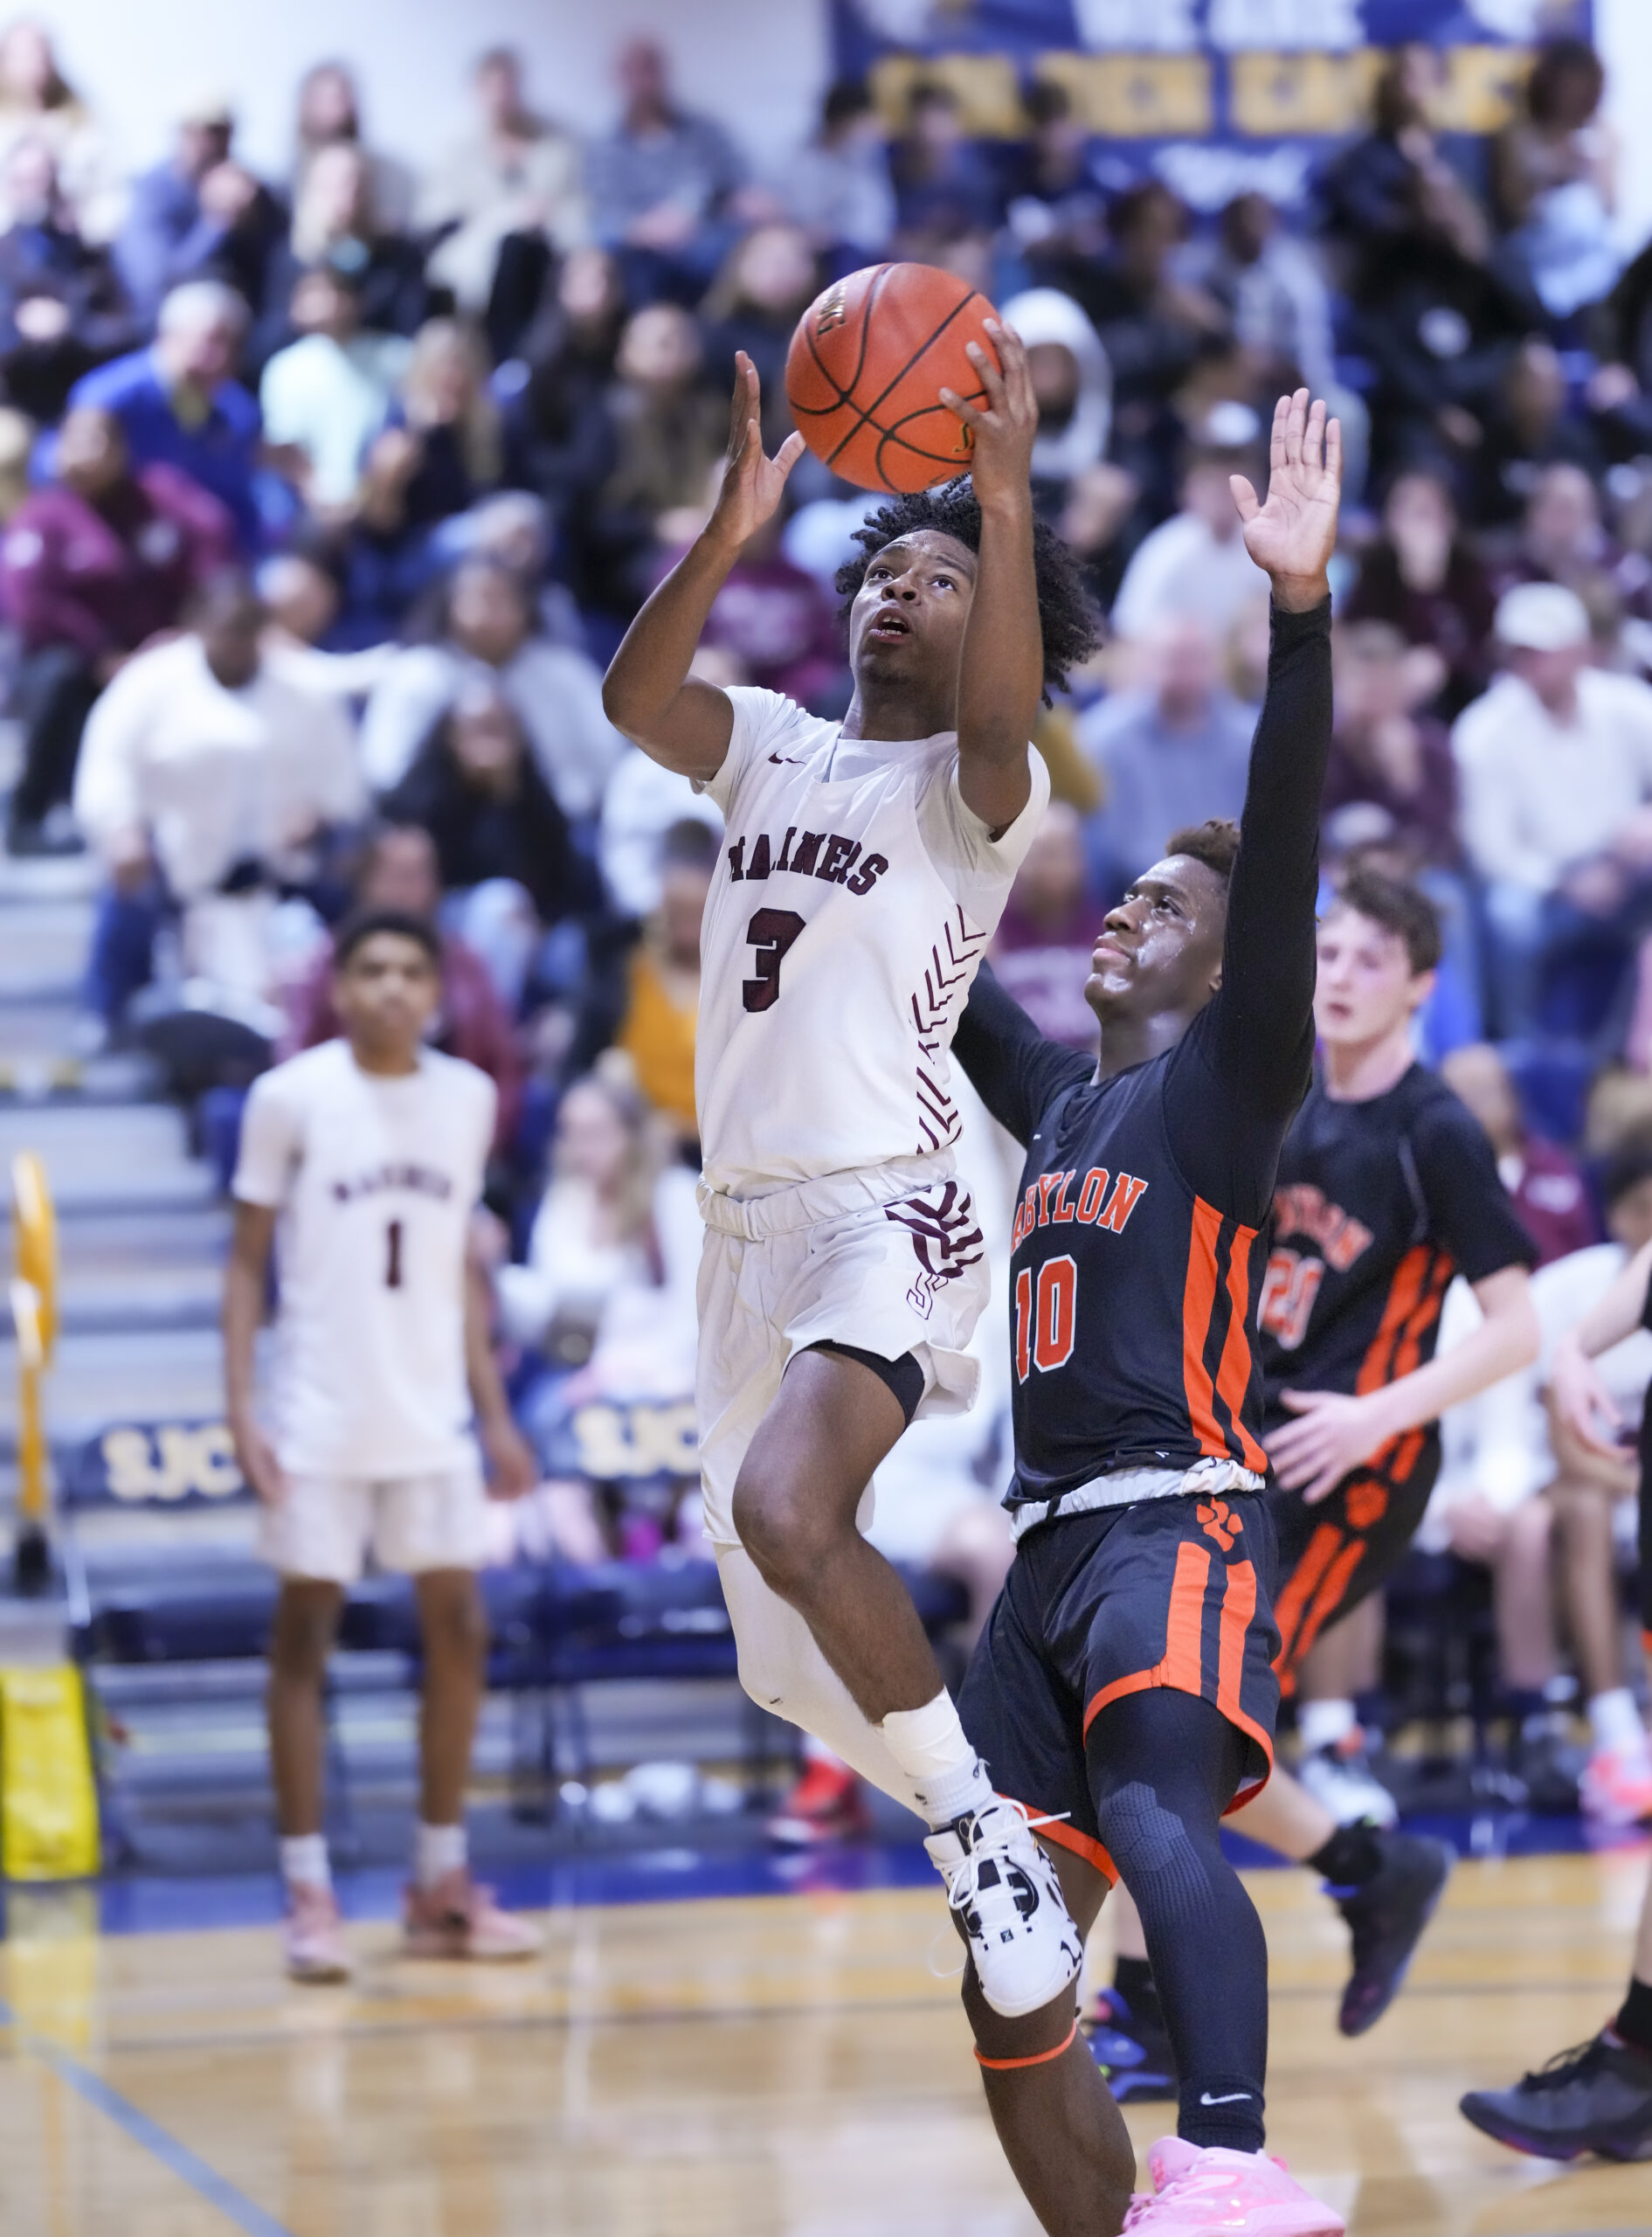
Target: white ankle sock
437 1849
1324 1724
304 1861
947 1774
1615 1721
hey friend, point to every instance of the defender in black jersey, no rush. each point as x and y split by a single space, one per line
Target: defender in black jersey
1388 1186
1124 1688
1598 2098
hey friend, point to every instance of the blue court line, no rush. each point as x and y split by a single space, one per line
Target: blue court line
176 2158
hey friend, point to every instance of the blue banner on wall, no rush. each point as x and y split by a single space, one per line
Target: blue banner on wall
1211 96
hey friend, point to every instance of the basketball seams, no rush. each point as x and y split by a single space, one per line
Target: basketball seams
923 348
845 396
867 442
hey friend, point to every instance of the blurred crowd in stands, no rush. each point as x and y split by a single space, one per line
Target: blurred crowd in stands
326 498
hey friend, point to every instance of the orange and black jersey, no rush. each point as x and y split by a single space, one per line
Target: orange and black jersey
1379 1204
1135 1263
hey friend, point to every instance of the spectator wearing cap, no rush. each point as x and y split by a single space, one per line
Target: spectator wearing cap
1196 562
179 404
1555 762
62 306
199 215
1174 749
1546 1185
329 393
92 564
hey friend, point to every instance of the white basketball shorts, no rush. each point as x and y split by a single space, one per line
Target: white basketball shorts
829 1262
326 1525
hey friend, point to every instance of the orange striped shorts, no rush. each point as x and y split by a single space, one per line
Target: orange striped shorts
1174 1592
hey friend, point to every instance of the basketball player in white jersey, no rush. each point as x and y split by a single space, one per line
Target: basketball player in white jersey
866 865
365 1157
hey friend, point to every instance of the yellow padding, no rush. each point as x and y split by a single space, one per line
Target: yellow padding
48 1799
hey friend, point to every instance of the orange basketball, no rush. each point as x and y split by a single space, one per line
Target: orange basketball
866 368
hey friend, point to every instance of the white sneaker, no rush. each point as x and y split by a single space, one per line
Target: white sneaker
1342 1781
1025 1947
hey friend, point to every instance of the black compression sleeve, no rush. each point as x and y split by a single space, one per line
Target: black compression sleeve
1016 1072
1163 1767
1253 1043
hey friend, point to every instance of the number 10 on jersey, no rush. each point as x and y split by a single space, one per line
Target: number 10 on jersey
1046 1316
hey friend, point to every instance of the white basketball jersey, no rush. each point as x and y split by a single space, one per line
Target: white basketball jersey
375 1181
854 900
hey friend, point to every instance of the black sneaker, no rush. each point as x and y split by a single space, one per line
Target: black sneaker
1387 1917
1134 2054
1595 2098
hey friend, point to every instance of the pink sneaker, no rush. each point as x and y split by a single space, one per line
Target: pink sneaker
315 1936
1616 1786
1217 2194
457 1919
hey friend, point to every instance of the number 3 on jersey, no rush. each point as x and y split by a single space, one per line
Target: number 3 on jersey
770 932
1045 1326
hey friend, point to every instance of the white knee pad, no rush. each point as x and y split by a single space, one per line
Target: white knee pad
784 1672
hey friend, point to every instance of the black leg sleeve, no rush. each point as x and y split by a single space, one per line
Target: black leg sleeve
1163 1767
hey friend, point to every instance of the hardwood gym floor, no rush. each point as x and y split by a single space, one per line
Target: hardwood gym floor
762 2066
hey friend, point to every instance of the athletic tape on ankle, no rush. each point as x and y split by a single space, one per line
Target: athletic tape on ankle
1039 2058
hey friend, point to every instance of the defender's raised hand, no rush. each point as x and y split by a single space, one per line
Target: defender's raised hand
1004 427
751 482
1293 535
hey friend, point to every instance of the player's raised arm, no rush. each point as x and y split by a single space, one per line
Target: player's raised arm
1001 670
1264 1013
648 693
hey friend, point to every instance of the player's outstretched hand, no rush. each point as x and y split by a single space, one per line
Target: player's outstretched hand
1001 464
256 1457
1582 1400
513 1470
1293 535
751 481
1333 1435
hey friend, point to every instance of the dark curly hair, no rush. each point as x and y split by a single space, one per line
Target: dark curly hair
1066 616
1214 842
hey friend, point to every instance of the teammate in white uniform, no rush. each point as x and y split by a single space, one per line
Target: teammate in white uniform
866 865
366 1157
